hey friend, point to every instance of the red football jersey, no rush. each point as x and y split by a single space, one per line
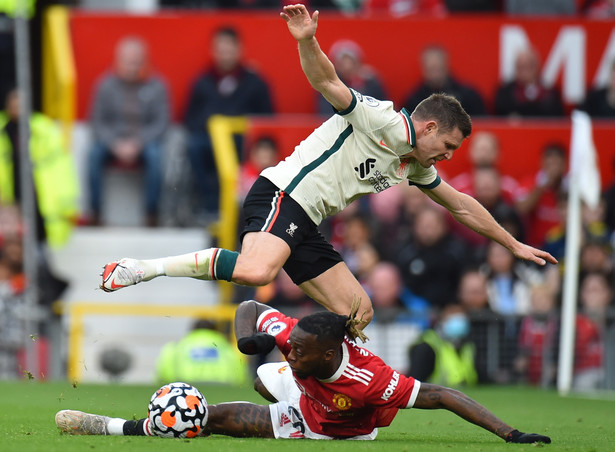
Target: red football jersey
364 393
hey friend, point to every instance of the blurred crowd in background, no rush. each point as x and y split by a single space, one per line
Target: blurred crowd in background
419 267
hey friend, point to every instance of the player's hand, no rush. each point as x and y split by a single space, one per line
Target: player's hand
532 254
300 24
527 438
259 343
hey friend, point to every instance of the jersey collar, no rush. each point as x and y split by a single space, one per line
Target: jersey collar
409 127
341 369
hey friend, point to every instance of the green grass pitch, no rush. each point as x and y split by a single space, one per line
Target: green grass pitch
574 424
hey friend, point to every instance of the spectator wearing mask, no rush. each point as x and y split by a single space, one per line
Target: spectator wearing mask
442 355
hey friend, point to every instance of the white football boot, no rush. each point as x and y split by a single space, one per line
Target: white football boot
120 274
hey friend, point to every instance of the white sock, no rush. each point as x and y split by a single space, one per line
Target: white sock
115 426
193 265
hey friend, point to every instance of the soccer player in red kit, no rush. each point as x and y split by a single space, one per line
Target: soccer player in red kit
329 387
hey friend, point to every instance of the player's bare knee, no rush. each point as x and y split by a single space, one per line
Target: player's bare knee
255 273
259 277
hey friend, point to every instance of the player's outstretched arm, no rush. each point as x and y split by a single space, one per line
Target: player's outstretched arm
469 212
434 397
318 69
239 419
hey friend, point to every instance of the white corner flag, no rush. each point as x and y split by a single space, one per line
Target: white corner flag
583 160
584 185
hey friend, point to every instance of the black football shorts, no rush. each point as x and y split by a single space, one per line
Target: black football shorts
269 209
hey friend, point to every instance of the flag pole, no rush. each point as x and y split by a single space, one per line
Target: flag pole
570 286
27 201
584 185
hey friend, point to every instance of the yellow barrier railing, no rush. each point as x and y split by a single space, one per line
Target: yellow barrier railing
222 130
77 311
59 79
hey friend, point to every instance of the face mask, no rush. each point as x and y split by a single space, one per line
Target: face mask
456 327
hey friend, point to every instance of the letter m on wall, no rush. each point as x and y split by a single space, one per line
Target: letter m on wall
567 56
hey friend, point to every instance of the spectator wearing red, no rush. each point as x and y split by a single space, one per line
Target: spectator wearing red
596 296
538 195
262 154
484 151
538 339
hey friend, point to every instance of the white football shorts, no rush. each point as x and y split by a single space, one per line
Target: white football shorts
286 416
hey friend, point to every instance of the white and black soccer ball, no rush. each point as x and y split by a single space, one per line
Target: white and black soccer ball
177 410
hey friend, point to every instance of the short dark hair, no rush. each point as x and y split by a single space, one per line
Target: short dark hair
554 149
227 31
266 140
446 111
327 326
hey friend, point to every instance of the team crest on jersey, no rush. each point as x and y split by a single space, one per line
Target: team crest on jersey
401 171
282 369
342 401
291 229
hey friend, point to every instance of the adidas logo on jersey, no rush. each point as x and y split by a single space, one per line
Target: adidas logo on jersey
364 168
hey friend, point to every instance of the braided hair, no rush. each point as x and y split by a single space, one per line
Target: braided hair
329 326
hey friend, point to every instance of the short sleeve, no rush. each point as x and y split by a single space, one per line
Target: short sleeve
391 389
379 120
427 179
276 324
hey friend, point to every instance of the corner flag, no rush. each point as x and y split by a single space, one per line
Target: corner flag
584 185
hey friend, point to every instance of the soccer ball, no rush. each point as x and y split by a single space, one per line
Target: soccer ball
177 410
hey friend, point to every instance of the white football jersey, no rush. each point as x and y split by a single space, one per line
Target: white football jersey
363 149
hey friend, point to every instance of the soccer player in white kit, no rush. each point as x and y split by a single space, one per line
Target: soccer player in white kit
329 387
364 148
